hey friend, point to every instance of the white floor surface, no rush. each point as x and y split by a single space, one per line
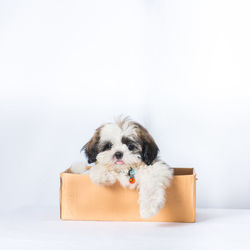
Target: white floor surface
214 229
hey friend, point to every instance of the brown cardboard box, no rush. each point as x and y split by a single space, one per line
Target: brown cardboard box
80 199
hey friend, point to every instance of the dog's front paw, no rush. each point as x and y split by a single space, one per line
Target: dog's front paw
99 176
103 180
148 210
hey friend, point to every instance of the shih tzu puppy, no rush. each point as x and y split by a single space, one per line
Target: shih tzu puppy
124 151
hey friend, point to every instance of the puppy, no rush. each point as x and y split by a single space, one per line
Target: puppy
124 151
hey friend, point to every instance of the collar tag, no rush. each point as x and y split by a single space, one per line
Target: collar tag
131 174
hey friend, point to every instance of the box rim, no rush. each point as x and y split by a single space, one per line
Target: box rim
68 172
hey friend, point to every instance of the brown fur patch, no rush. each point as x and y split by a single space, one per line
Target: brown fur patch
94 139
143 133
91 148
149 147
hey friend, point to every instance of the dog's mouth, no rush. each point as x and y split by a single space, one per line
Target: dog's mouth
119 162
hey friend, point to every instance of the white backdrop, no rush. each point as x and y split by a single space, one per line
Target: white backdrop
181 68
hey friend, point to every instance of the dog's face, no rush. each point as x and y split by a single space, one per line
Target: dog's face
122 143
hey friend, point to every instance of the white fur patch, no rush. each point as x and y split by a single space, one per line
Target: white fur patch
78 167
111 131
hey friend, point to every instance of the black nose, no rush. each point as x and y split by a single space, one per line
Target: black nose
118 155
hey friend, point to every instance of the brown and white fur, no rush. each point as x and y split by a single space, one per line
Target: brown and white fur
117 147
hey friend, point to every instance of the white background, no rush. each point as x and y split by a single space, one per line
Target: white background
181 68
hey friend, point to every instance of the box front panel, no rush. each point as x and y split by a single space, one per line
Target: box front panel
83 200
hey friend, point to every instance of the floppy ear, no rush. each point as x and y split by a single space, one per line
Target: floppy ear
91 147
149 152
149 147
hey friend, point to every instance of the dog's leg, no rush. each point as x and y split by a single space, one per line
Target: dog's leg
101 176
152 183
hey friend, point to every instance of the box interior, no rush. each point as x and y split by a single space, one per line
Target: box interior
183 171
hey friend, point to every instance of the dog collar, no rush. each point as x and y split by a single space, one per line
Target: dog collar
131 174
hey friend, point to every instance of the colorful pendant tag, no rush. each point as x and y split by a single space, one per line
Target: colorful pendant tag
131 173
131 180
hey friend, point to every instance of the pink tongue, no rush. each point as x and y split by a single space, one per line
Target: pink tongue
119 162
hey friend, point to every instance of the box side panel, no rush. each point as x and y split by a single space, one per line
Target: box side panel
60 193
194 197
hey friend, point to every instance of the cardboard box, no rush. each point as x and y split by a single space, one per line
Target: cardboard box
80 199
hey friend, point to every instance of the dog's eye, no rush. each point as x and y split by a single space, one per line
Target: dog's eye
131 147
107 146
